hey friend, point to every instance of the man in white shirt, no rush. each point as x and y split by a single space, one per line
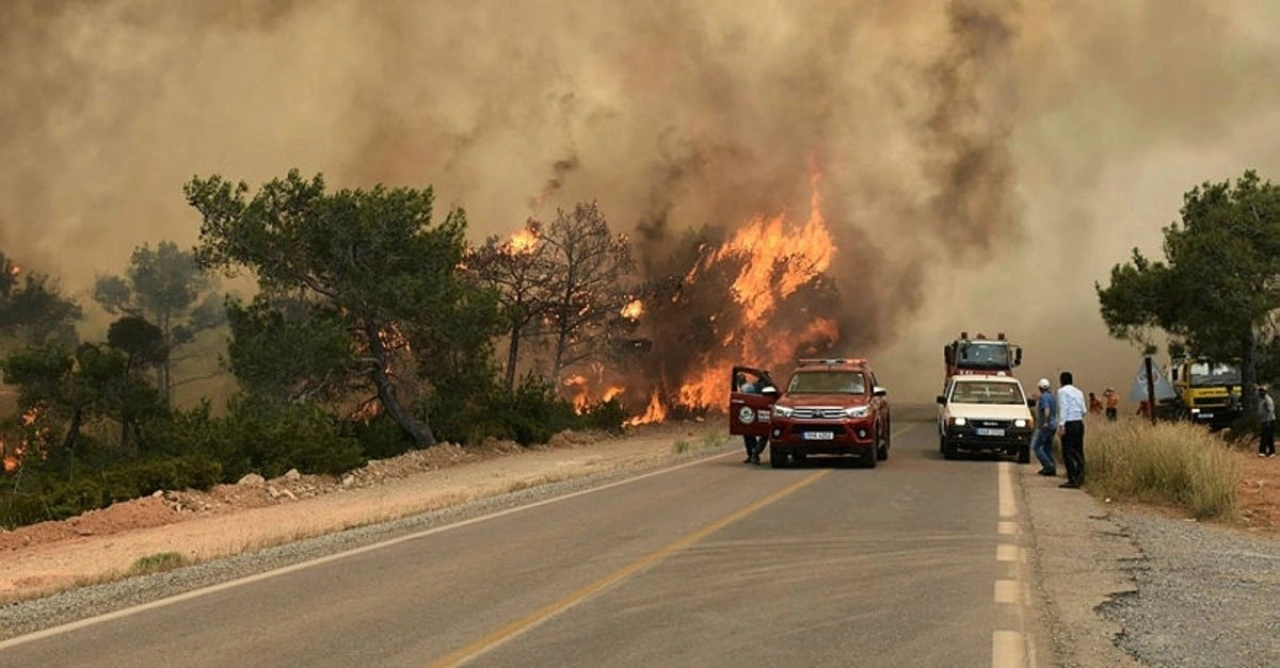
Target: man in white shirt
1071 411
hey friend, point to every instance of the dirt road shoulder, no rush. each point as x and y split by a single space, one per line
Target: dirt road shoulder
1079 556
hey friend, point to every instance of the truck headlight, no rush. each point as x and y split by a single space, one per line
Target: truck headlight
857 411
1020 424
959 421
781 411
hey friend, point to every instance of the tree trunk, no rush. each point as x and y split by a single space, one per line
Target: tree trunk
1249 374
513 354
69 443
420 431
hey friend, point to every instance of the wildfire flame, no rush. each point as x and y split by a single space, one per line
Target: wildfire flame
14 270
523 241
765 262
656 412
13 459
778 257
633 310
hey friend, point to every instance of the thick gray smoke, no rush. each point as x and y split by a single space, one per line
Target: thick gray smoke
984 161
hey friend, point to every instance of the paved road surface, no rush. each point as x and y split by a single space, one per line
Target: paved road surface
712 564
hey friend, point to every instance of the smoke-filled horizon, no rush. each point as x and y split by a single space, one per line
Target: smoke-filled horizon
983 161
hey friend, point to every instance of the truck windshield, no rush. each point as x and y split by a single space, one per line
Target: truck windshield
827 382
979 354
986 392
1203 375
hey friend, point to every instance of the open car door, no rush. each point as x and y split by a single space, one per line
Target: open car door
749 411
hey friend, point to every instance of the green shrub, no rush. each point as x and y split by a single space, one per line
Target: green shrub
1168 463
157 563
607 416
269 439
381 437
47 494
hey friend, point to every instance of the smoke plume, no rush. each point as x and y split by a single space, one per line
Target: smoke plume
983 161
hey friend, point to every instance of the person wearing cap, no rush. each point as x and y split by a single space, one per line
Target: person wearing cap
1046 425
1113 403
1267 418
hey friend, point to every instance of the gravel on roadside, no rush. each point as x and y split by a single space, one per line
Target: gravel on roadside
1206 595
26 617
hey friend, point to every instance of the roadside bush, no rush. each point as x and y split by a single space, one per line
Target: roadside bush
269 439
1167 463
530 415
41 494
607 416
380 438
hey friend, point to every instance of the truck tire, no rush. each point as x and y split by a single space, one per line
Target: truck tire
1024 454
948 450
777 457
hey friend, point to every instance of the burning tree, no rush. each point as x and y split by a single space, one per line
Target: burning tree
370 264
32 308
588 287
166 287
521 271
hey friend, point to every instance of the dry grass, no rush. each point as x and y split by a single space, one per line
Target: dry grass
157 563
1174 464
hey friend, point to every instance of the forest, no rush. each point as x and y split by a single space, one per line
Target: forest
309 329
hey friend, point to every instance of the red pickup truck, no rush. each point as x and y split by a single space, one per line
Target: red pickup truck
828 407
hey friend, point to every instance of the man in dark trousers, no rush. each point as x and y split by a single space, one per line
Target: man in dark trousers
754 444
1267 420
1071 411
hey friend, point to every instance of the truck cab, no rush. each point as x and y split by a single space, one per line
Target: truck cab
980 355
1208 391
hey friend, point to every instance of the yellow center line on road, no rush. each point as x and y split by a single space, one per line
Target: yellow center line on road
550 610
519 626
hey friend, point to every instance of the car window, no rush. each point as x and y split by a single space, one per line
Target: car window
827 382
986 392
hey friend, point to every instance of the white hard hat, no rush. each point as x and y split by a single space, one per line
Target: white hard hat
1043 384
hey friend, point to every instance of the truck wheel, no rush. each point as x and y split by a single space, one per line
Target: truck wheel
882 452
948 450
777 457
1024 454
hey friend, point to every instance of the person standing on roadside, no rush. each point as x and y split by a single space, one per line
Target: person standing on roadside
754 444
1046 426
1071 411
1267 418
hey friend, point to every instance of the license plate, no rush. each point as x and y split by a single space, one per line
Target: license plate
819 435
1206 415
990 432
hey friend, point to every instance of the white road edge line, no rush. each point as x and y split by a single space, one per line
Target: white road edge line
1007 650
1007 592
196 593
1008 506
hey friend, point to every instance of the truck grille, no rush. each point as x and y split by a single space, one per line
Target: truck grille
995 424
817 413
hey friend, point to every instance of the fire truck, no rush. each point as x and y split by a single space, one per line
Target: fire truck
980 355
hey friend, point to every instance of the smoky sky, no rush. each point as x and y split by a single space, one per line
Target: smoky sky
971 150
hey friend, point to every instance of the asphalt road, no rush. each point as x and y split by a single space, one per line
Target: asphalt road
713 563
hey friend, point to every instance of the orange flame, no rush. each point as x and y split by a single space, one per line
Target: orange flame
523 241
14 270
656 412
633 310
779 257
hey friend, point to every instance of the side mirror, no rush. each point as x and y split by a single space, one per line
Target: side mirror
1031 403
768 389
879 391
941 400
